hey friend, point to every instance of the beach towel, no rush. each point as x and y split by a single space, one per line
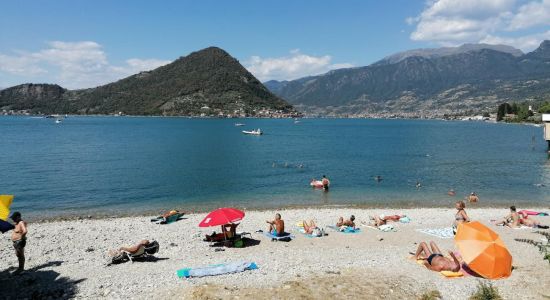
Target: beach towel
345 230
235 267
442 233
285 238
383 228
533 213
170 219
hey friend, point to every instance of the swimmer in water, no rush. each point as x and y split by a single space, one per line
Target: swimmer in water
451 193
378 178
418 184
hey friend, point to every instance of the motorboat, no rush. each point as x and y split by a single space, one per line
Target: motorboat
254 132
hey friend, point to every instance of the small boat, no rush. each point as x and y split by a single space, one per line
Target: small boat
57 121
239 124
254 132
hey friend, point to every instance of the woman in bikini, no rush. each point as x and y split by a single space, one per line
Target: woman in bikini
434 260
460 216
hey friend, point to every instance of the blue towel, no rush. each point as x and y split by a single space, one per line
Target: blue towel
275 237
219 269
347 230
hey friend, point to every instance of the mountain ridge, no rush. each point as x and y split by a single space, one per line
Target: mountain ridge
474 79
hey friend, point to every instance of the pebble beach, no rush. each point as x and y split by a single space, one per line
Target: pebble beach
68 259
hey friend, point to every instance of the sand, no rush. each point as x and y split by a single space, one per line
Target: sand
68 259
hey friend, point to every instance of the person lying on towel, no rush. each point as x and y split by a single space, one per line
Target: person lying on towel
434 259
312 228
348 223
277 226
383 219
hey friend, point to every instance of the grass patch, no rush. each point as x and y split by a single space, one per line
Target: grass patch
486 291
431 295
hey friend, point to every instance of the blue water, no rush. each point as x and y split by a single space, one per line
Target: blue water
108 165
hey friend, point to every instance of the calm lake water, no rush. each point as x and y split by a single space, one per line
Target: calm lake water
107 165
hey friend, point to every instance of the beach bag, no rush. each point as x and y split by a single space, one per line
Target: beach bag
152 248
317 232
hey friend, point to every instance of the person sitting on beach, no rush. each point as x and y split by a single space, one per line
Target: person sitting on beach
312 228
434 259
228 231
473 197
277 226
511 220
460 216
347 223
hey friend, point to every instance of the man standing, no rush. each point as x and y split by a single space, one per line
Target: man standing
326 183
19 239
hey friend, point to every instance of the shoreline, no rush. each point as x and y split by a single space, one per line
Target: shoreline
204 210
69 258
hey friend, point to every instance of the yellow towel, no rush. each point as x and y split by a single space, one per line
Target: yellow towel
450 274
5 202
300 224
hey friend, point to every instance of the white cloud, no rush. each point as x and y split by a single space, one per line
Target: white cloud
72 65
452 22
531 14
295 65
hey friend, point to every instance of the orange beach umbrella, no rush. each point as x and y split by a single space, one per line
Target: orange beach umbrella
483 250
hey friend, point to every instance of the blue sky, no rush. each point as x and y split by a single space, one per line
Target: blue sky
80 44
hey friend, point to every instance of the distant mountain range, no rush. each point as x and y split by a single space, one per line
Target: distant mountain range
445 80
207 82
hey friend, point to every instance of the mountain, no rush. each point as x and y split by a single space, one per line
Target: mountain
446 51
446 81
208 81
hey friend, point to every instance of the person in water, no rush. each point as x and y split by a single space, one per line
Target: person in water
460 216
434 259
326 183
19 239
277 226
418 184
349 223
473 197
378 178
511 220
451 193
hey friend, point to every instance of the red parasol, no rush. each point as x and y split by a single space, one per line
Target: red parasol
222 216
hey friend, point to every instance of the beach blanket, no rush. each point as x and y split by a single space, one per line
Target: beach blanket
383 228
533 213
442 233
345 230
220 269
285 238
309 235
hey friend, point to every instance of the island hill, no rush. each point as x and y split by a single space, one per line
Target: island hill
208 82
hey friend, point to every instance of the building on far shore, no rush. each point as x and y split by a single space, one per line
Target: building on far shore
546 120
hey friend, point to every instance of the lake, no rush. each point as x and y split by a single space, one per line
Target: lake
127 165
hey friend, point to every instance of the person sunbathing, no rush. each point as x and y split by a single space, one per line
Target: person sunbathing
383 219
532 223
348 223
511 220
132 249
277 226
228 232
312 228
434 259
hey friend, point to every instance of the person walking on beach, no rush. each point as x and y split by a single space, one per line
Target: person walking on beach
19 239
326 183
277 226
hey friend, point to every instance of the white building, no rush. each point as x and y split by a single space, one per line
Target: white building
546 120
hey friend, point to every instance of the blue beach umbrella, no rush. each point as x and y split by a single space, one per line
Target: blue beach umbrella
5 226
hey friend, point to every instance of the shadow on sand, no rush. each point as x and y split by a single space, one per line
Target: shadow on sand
36 283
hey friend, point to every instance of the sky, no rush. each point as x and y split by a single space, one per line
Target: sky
82 44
